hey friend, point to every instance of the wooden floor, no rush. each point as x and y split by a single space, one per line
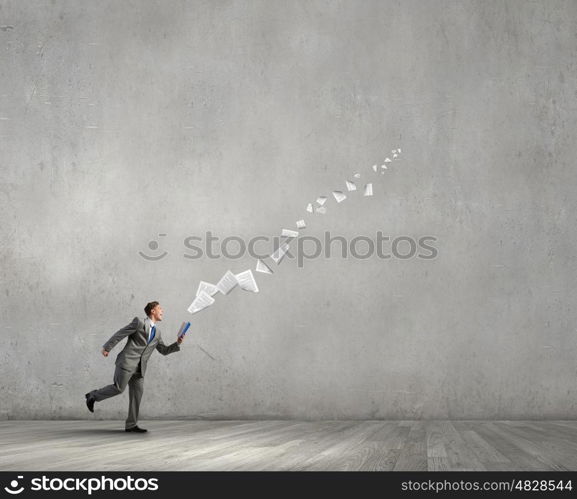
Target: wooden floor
289 445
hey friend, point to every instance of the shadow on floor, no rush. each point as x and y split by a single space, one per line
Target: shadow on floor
95 431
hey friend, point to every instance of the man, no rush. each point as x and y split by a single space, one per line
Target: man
143 338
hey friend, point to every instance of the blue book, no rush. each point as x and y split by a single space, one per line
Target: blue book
183 329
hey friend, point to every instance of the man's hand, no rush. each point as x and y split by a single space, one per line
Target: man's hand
180 339
104 352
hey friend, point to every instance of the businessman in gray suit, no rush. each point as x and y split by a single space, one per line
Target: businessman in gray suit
143 337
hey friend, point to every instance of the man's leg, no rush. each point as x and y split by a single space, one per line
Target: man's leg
135 390
121 378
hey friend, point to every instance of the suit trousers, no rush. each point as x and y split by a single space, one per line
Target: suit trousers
135 382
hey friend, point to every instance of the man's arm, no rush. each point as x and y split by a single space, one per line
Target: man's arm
164 349
120 334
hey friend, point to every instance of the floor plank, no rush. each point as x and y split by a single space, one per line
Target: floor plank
289 446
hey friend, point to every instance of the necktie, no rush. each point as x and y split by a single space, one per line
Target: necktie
152 333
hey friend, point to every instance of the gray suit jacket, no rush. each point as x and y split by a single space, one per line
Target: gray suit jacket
136 349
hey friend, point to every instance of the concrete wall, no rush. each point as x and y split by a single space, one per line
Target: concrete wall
123 120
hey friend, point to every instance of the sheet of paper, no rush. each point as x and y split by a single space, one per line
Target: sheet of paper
207 287
289 233
247 281
202 301
384 167
357 175
280 252
310 207
301 224
368 190
375 168
263 267
339 196
227 283
322 210
351 186
321 200
388 160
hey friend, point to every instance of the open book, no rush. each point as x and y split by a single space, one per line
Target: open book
183 329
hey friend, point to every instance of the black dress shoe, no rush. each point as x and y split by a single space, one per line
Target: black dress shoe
136 429
90 402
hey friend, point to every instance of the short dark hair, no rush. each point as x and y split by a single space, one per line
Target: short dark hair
149 307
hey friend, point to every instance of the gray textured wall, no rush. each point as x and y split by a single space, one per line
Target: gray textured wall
122 120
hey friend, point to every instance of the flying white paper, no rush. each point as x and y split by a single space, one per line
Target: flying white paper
301 224
202 301
375 168
351 186
310 207
263 267
280 252
388 160
321 200
339 196
368 190
322 210
227 283
207 287
357 175
247 281
289 233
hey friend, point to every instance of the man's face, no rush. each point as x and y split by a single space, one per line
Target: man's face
156 313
